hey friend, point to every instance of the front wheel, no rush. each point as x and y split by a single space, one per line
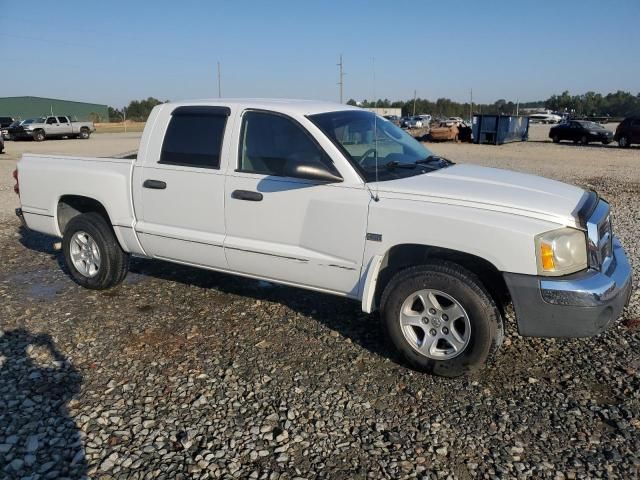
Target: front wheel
623 142
441 319
556 139
92 253
584 140
39 136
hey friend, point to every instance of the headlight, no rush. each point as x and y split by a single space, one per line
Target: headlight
562 251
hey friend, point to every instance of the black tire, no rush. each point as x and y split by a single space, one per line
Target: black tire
114 262
39 135
486 332
623 142
84 133
584 140
556 138
606 142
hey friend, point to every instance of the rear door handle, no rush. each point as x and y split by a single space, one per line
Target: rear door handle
155 184
246 195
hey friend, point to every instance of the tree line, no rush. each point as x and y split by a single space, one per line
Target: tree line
618 104
137 110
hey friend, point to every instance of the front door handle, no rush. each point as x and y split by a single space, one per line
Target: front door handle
246 195
155 184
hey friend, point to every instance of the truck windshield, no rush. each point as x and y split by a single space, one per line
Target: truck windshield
387 154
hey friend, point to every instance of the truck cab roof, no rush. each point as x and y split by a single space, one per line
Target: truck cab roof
283 105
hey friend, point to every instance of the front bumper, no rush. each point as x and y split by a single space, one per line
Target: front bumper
601 137
578 305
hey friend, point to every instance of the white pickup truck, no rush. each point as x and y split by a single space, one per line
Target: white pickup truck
42 128
336 199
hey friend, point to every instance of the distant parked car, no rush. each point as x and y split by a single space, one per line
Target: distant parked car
581 131
395 119
545 118
52 127
451 130
12 129
416 122
4 124
6 121
628 132
1 144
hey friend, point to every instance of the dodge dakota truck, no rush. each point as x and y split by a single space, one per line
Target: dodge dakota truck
335 199
51 127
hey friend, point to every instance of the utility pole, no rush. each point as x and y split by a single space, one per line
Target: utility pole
471 107
414 103
124 118
341 76
219 87
517 106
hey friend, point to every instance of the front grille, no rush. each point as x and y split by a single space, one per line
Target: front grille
600 237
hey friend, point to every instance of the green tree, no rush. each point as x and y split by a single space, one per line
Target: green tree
139 110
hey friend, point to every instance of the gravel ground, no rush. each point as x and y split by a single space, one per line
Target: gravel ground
181 373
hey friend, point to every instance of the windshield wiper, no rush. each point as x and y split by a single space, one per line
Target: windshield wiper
396 164
435 159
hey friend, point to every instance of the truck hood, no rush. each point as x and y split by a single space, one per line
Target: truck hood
491 189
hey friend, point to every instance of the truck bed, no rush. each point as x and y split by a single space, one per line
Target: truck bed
46 179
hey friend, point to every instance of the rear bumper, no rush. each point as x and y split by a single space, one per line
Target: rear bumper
578 305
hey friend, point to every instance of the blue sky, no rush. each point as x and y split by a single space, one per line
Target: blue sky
114 51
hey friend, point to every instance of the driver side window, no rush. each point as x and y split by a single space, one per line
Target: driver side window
272 144
51 121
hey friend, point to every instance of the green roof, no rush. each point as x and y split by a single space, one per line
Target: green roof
25 107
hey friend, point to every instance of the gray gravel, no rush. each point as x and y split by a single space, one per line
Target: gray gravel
181 373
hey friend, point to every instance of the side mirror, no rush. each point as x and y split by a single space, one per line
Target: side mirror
312 171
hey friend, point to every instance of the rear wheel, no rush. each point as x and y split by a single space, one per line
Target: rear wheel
92 253
584 140
441 319
623 142
39 135
84 133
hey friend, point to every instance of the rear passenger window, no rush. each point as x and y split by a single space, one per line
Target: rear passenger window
194 137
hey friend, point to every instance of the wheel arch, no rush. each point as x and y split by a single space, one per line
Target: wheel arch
70 206
402 256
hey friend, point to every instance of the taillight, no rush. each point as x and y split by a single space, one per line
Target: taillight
16 187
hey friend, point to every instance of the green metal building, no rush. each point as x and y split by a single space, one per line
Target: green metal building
28 107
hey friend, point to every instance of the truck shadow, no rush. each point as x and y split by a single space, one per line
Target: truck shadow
338 314
38 438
